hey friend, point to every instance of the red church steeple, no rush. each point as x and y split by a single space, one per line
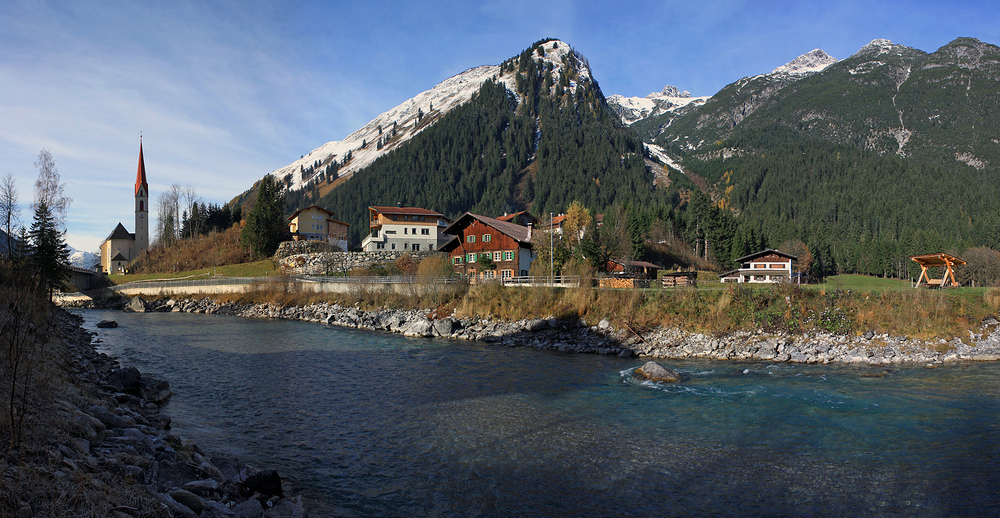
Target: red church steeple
140 175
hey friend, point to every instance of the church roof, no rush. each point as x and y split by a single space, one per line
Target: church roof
120 233
140 174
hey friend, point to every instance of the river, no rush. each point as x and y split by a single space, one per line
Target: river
366 423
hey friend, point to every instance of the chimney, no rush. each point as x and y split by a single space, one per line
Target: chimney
399 204
529 233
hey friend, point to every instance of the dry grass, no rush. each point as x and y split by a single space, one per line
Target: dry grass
215 249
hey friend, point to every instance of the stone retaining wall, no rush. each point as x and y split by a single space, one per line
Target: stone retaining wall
327 263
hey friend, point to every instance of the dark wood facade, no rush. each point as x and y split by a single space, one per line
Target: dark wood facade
475 238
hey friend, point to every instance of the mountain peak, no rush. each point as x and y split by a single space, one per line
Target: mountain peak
811 62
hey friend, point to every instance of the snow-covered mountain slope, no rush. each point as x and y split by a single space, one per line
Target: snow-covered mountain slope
632 109
398 125
81 259
809 63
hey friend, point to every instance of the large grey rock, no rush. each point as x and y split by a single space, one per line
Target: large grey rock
216 510
136 305
188 499
126 380
107 324
420 327
202 487
154 391
175 507
655 372
248 509
536 325
444 326
107 417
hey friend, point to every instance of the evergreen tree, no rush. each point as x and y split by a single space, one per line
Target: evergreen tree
49 254
265 227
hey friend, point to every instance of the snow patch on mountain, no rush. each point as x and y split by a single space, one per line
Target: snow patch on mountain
632 109
398 125
809 63
81 259
662 156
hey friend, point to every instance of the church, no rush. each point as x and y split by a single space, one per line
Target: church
121 248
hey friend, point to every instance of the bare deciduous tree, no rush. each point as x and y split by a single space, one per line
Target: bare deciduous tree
167 215
10 213
48 188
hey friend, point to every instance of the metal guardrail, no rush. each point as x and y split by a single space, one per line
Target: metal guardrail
232 281
555 280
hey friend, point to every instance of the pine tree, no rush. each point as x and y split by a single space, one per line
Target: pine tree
265 227
48 252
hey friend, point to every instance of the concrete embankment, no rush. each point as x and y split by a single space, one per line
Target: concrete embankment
603 338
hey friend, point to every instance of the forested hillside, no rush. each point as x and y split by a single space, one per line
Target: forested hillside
889 153
549 143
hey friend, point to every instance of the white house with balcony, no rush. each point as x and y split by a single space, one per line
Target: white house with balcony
404 229
766 266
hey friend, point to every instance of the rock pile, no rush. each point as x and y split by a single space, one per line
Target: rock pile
121 429
577 336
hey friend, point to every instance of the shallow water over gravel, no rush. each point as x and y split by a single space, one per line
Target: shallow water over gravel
366 423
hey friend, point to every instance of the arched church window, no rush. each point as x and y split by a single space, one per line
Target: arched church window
140 206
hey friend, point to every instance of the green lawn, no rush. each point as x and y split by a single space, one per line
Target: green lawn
256 269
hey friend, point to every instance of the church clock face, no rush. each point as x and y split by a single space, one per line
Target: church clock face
142 216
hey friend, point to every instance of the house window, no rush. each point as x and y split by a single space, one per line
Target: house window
508 256
524 273
487 238
470 239
406 218
471 257
506 274
456 260
416 247
496 256
425 232
393 246
405 231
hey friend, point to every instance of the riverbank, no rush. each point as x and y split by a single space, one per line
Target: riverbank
601 337
97 442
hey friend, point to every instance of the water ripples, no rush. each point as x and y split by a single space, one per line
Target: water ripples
371 424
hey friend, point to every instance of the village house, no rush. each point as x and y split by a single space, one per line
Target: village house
404 229
489 248
121 247
766 266
317 224
633 269
523 218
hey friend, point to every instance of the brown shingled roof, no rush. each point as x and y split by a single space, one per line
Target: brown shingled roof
519 233
392 209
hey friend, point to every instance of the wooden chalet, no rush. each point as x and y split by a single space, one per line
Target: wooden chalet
940 260
507 246
766 266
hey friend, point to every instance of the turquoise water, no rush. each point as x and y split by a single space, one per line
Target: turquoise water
368 424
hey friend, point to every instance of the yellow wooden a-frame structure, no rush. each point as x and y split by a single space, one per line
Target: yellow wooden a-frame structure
942 260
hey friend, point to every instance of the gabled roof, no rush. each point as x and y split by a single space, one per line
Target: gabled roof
938 259
392 209
762 253
328 213
515 215
140 174
519 233
120 233
635 264
118 257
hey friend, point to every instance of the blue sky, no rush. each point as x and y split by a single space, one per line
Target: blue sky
225 92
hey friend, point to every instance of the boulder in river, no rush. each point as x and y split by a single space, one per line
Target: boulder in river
136 305
106 324
655 372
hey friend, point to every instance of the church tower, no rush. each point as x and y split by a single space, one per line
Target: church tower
141 207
